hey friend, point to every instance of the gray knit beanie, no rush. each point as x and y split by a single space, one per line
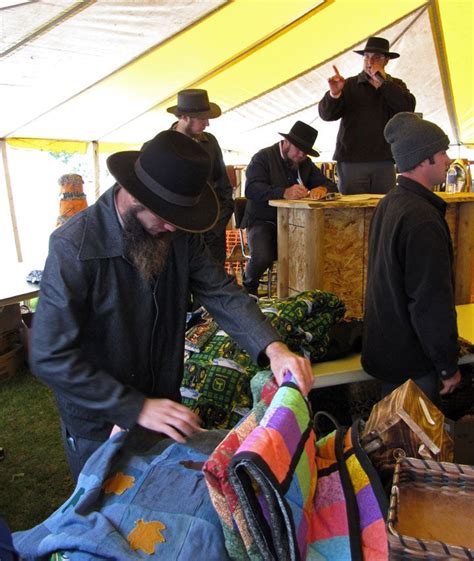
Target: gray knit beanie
413 140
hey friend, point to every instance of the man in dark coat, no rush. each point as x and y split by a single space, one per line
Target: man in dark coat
365 103
108 335
410 326
194 110
281 171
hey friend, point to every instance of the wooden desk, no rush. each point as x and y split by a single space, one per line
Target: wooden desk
13 285
349 369
323 245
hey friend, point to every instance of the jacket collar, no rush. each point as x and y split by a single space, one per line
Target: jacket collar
418 189
102 218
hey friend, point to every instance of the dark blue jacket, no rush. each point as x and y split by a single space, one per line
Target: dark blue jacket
103 339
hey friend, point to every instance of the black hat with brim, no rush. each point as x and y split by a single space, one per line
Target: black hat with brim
303 136
378 45
170 178
195 103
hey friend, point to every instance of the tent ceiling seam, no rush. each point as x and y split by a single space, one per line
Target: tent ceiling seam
129 63
410 24
322 63
63 16
234 60
17 5
440 47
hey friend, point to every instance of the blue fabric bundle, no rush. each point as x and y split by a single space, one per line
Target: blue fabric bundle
130 505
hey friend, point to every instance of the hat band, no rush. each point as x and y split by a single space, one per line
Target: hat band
163 192
192 109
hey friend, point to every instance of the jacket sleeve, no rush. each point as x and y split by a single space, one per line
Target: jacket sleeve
397 96
429 288
257 185
221 181
331 109
233 309
56 355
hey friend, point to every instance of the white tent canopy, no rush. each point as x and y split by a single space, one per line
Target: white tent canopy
97 76
105 71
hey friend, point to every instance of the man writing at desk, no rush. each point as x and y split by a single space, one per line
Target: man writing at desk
281 171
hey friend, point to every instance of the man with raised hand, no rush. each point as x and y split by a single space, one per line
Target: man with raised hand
365 103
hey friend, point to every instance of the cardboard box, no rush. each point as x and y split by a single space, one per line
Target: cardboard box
462 432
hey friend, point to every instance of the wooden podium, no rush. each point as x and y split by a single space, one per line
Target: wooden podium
323 245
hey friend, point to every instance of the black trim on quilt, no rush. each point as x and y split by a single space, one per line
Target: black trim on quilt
353 518
369 469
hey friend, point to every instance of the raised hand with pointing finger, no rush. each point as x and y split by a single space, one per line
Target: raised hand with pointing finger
336 83
363 104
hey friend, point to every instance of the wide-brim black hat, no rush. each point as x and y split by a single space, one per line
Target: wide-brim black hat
378 45
170 177
195 103
303 137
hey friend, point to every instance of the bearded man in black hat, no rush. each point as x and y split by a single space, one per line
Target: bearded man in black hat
281 171
365 103
194 110
109 330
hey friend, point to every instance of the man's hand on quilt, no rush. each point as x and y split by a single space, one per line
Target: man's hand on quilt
170 418
282 360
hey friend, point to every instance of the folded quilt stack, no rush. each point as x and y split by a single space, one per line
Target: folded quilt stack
217 372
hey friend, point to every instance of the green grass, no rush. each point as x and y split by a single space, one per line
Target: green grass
34 475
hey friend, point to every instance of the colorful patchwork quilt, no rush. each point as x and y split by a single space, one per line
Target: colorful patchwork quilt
281 495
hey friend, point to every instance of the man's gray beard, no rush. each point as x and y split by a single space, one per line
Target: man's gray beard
148 253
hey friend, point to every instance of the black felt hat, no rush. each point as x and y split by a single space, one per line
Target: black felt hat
303 137
170 178
378 45
195 103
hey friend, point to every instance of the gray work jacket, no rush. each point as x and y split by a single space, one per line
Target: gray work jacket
104 339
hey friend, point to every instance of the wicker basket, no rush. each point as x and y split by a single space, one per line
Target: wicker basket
431 511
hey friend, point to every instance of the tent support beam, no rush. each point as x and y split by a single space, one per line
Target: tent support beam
438 39
11 203
96 166
75 9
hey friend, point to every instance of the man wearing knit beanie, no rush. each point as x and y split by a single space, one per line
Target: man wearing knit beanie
410 326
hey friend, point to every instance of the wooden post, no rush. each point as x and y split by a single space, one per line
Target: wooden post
314 243
11 202
283 262
95 157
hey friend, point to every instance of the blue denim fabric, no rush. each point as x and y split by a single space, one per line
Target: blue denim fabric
169 488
